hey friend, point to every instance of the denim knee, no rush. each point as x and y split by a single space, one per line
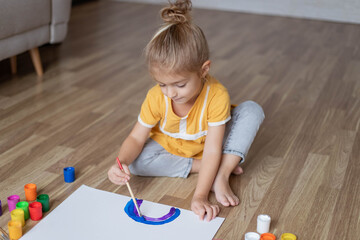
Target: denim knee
137 168
242 129
250 108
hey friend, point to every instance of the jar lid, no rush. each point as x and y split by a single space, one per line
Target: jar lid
267 236
252 236
288 236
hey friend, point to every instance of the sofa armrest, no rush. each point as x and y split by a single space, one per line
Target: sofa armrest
60 15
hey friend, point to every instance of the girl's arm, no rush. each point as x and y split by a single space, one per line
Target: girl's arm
208 169
129 150
133 144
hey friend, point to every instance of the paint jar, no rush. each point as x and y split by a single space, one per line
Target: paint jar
69 174
15 229
12 201
18 215
252 236
267 236
263 223
24 206
30 192
35 209
44 200
288 236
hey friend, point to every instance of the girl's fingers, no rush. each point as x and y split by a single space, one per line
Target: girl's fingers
206 210
201 213
120 174
216 211
115 180
209 212
118 177
126 169
123 179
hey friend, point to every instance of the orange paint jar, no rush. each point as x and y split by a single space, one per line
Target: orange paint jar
30 192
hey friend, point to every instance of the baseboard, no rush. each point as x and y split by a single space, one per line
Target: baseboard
329 10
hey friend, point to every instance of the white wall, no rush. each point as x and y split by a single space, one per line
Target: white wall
332 10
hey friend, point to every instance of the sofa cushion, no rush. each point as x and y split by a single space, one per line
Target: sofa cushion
18 16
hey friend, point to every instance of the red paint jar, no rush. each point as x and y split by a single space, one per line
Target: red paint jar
35 209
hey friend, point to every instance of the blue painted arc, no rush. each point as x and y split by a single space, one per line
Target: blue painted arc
131 211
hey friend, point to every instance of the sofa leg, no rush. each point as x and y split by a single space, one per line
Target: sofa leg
35 57
13 64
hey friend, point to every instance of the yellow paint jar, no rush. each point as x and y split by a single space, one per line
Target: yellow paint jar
18 215
15 229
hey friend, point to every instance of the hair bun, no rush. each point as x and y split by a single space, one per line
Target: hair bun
178 12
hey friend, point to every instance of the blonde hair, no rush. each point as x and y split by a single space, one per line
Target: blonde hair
178 45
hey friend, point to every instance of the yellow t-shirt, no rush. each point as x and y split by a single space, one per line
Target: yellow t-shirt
185 136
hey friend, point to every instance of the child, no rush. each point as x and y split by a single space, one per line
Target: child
188 117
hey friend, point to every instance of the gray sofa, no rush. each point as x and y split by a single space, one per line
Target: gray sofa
27 24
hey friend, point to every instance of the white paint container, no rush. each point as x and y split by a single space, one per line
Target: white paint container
263 223
252 236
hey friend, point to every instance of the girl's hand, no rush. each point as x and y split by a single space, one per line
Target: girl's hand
117 176
201 206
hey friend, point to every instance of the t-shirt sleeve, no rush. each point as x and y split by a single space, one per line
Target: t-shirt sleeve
219 108
150 110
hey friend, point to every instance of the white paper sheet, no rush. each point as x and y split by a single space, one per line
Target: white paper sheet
92 214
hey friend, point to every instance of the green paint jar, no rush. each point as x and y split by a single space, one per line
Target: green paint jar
44 200
24 206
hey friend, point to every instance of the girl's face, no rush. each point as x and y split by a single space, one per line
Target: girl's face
181 88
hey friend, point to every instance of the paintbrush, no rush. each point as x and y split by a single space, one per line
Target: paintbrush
128 186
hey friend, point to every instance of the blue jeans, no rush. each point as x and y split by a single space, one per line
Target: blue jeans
240 132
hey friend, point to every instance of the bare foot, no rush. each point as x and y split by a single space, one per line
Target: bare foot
237 170
223 192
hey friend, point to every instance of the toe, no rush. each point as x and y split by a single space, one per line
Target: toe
223 200
225 203
231 200
238 170
235 200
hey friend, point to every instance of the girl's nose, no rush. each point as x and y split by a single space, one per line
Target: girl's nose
171 93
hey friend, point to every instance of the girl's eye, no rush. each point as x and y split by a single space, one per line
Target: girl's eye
162 85
181 86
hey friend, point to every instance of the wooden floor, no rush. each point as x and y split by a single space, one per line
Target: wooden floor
303 168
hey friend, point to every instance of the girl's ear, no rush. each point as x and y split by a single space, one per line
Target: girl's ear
205 68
